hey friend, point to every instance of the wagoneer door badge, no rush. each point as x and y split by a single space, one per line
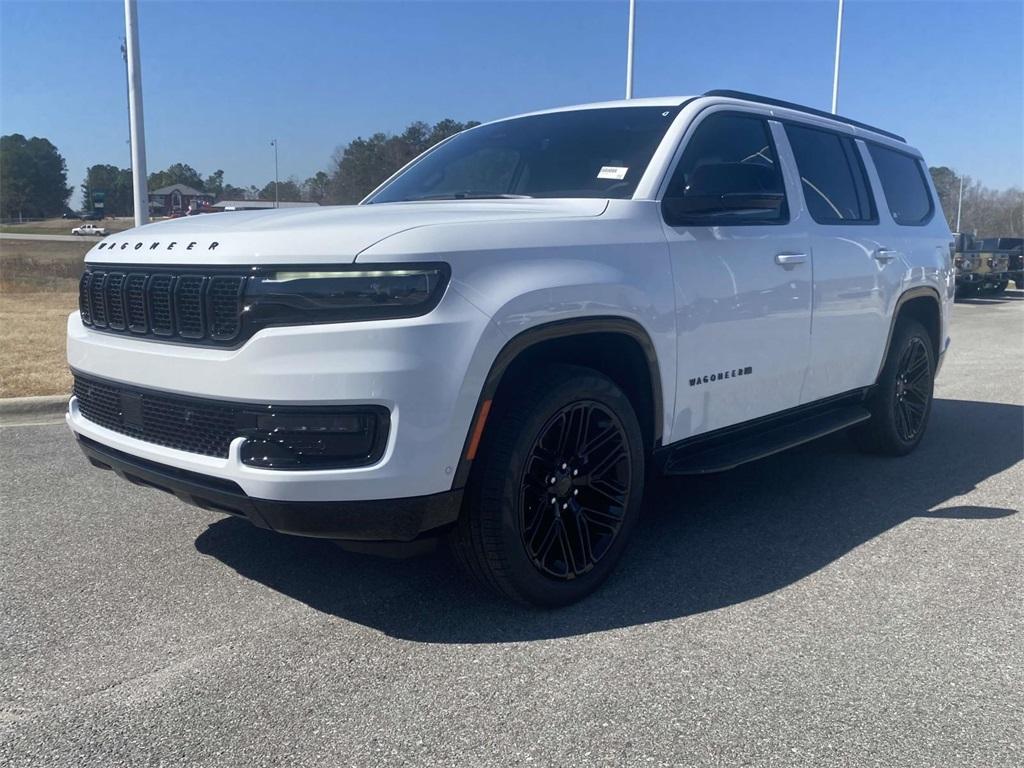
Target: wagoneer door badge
721 375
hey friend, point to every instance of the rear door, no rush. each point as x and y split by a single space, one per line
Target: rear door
742 275
857 272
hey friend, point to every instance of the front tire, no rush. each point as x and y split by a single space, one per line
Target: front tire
902 398
556 489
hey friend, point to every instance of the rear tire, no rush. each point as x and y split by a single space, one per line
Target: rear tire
902 398
556 489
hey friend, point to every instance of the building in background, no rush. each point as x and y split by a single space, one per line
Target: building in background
177 200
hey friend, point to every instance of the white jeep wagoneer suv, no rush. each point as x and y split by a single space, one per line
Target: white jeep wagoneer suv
499 340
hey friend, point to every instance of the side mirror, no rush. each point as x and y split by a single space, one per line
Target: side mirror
693 209
733 191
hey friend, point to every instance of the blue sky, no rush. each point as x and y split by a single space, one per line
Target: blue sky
221 79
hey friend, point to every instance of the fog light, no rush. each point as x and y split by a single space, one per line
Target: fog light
297 438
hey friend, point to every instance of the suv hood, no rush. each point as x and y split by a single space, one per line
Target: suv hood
331 234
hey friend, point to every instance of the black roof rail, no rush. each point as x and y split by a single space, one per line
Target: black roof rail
800 108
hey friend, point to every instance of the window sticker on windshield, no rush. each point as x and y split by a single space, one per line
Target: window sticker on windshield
612 172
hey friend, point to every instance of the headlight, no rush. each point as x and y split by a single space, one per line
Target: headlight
300 297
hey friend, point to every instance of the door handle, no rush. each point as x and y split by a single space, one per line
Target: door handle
789 259
884 255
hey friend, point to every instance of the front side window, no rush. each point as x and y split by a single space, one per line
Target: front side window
579 153
831 176
904 185
729 174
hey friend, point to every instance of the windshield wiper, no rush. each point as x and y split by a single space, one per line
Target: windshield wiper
468 196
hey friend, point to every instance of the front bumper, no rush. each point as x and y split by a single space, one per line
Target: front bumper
380 520
426 371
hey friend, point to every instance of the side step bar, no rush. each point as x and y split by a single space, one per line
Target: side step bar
718 454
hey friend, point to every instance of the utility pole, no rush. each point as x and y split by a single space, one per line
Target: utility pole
273 143
629 49
140 194
835 72
960 204
127 96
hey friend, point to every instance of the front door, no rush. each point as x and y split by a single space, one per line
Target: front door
742 276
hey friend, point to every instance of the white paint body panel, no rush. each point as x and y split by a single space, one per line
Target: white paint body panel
710 300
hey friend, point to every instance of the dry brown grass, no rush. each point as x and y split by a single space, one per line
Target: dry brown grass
63 226
32 327
38 289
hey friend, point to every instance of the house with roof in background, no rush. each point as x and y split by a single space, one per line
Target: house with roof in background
177 199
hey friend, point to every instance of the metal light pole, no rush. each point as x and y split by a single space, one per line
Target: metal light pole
273 143
629 49
140 194
127 96
960 204
835 73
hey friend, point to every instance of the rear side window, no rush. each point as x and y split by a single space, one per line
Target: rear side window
831 175
728 175
904 185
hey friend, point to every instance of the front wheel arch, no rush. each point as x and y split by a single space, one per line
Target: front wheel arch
645 390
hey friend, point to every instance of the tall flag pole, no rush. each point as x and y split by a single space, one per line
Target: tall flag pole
835 73
140 194
629 49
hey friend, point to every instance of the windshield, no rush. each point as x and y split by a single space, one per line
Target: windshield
581 153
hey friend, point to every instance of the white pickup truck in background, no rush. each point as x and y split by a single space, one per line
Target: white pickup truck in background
90 229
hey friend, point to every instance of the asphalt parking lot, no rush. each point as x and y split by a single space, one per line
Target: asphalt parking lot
817 608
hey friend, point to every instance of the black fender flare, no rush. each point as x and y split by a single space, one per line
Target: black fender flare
558 329
921 291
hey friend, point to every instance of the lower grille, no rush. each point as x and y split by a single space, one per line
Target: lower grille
183 423
277 436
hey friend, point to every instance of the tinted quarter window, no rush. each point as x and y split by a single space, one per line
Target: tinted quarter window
831 176
729 174
906 191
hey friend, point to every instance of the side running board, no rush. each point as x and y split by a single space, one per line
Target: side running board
717 454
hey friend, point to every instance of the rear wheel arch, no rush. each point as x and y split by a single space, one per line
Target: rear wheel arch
618 347
924 305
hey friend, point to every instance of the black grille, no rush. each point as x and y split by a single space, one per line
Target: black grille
97 299
161 321
188 306
224 296
194 308
84 288
182 423
135 299
115 301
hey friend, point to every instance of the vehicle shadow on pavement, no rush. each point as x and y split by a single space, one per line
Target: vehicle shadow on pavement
704 543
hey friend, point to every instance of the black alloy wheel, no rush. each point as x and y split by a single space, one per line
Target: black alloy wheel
573 493
913 389
901 399
556 487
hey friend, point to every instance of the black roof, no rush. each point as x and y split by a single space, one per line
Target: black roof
800 108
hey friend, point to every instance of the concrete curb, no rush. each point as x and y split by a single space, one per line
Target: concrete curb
30 410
